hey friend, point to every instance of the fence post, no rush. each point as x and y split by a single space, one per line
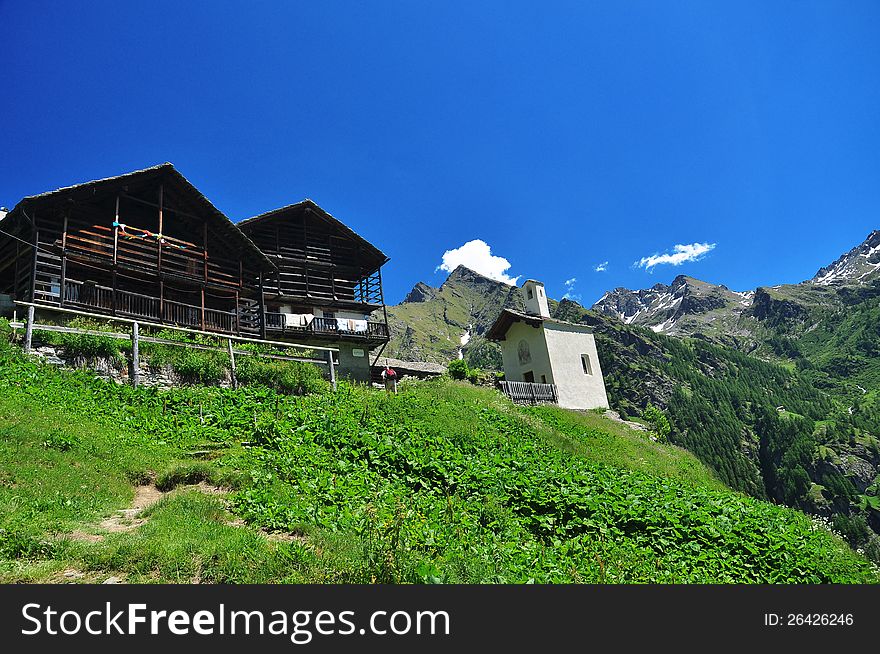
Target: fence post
29 329
332 369
232 362
135 356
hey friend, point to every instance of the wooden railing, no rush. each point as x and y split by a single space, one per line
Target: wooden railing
247 320
529 392
275 322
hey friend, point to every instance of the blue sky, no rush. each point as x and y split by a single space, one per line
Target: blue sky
562 135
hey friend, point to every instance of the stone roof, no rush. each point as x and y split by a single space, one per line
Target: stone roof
502 324
422 367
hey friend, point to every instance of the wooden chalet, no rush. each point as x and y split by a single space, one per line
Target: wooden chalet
149 246
146 245
327 279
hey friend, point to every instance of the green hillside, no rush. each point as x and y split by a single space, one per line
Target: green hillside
812 350
444 482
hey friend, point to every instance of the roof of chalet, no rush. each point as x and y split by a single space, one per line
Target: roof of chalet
499 328
380 257
165 169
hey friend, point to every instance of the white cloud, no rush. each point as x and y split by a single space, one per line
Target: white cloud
680 254
569 290
477 255
602 267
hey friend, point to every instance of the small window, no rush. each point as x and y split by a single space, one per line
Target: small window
585 362
530 294
543 379
540 293
529 376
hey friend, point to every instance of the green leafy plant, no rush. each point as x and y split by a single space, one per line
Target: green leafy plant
658 421
458 369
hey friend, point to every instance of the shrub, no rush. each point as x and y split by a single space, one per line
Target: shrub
658 421
458 369
85 346
190 365
289 377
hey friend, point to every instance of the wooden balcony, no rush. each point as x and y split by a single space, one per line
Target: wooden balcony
101 299
245 320
364 330
522 392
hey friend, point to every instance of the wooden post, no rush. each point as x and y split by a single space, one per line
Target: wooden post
63 283
382 300
262 309
332 369
237 316
232 362
203 308
29 329
135 355
161 227
205 239
35 263
115 252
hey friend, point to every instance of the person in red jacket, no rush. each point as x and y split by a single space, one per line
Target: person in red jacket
389 376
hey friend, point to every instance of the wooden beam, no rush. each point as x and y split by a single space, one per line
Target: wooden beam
135 356
115 252
262 309
29 330
332 370
161 225
205 247
61 286
232 363
33 288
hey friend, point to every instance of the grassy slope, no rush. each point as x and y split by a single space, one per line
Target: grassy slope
445 482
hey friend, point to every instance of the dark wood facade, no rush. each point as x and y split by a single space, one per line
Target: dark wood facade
148 245
321 266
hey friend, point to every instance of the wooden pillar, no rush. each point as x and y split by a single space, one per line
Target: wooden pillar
63 283
332 369
161 227
232 362
29 329
382 300
237 315
135 356
115 253
35 261
205 247
17 266
306 253
262 309
203 308
161 300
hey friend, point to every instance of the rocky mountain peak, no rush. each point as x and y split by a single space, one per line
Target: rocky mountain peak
858 266
421 292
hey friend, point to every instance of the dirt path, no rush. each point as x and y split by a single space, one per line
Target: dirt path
129 519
